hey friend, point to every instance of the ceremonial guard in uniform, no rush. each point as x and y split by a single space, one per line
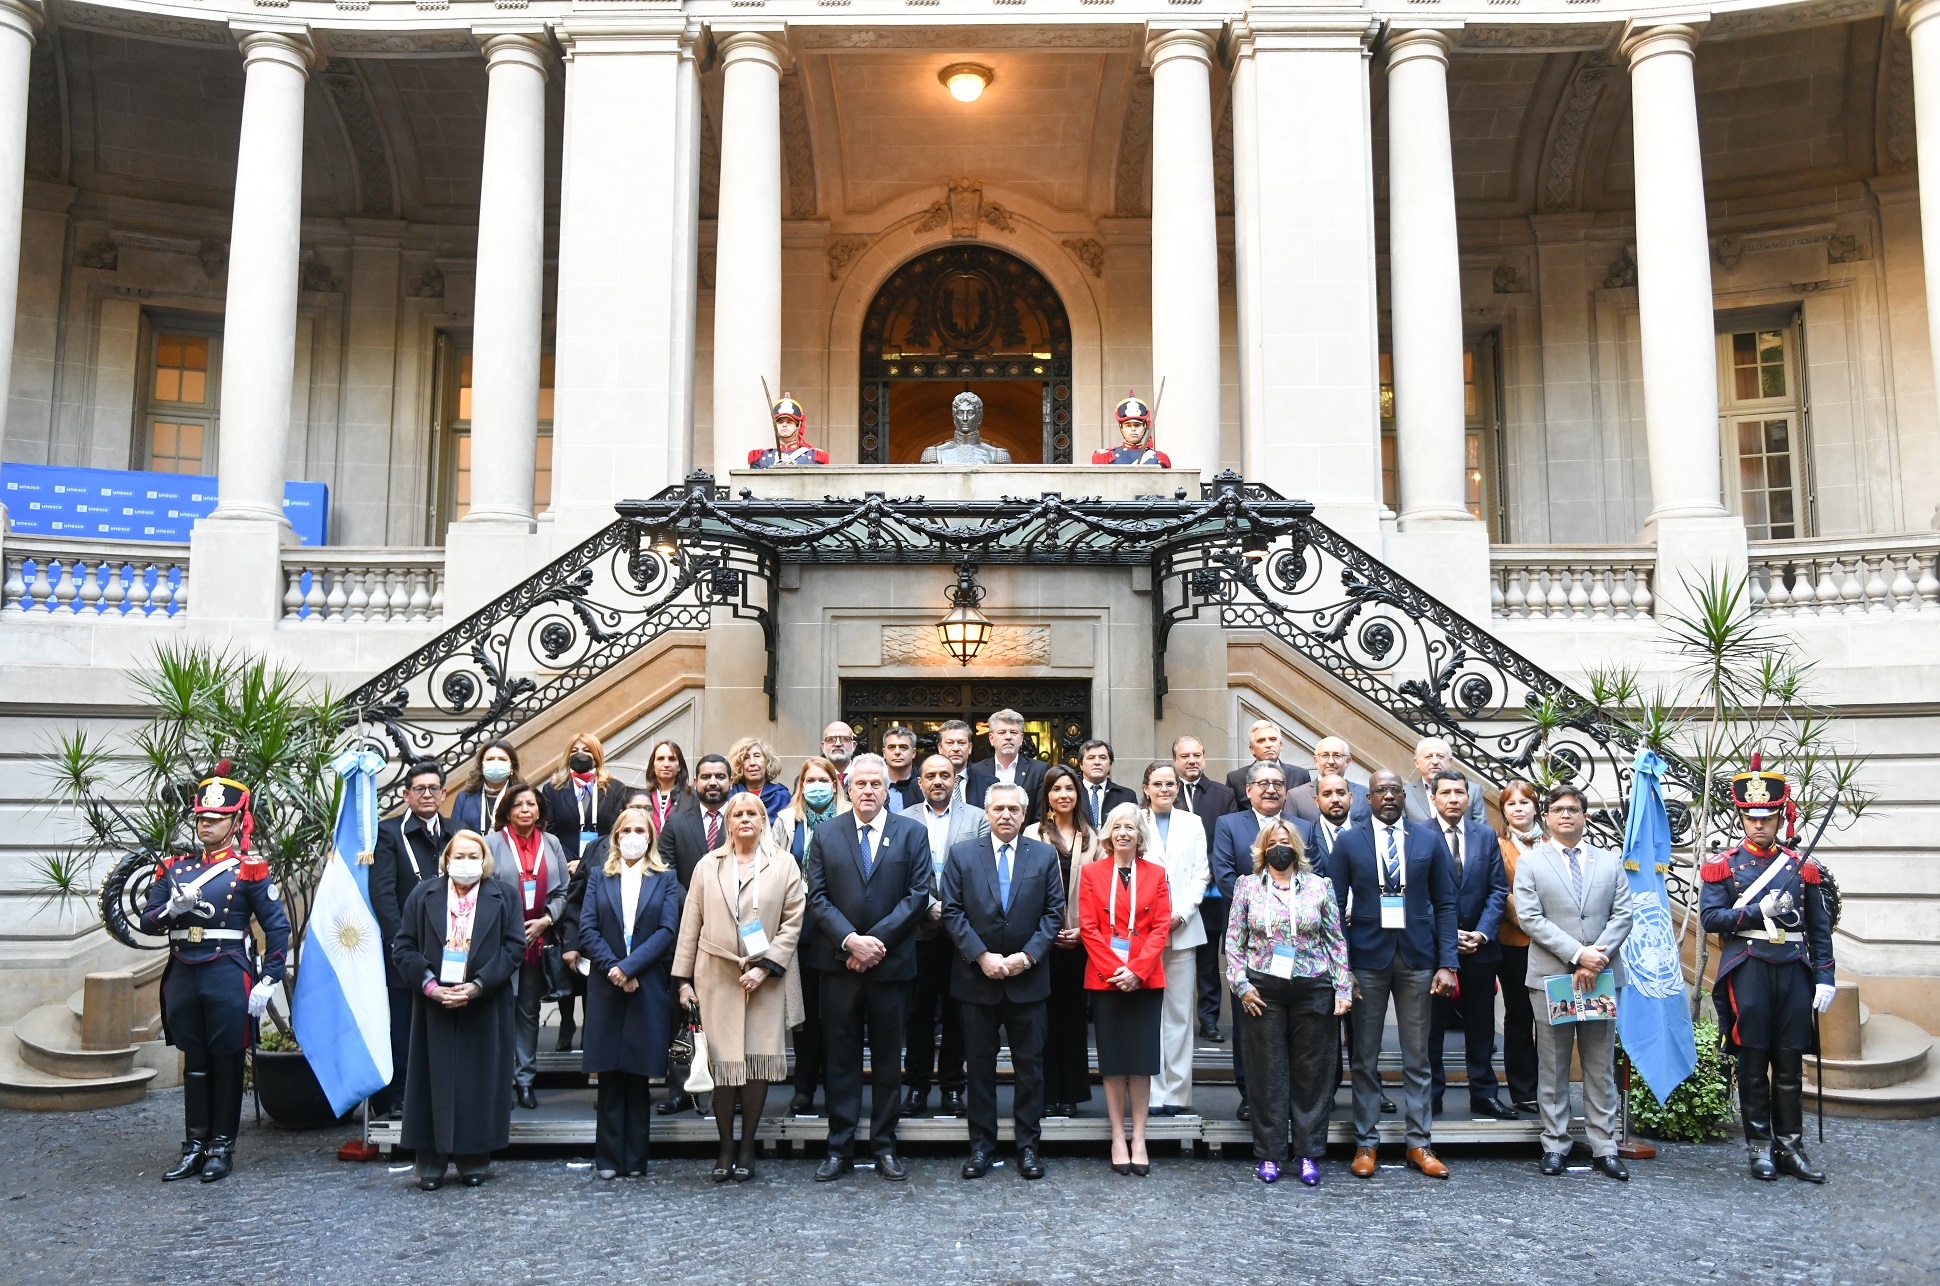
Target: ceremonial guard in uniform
791 439
1768 908
1135 427
211 997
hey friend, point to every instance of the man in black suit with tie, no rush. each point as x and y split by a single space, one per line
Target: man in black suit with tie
1208 800
1006 763
1263 739
1003 904
689 835
1481 899
868 875
1100 794
407 851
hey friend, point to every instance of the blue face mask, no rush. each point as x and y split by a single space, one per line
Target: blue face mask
819 794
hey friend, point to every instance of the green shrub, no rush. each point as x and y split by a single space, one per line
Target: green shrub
1698 1108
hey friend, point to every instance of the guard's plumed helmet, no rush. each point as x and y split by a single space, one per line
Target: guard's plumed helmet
787 408
1760 792
1134 409
221 794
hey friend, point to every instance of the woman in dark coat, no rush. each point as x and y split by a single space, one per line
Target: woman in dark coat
627 930
458 1087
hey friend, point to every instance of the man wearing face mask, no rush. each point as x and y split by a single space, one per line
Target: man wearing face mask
949 822
690 835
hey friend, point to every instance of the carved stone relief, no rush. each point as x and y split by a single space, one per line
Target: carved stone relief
214 254
1009 645
842 252
1563 167
1729 250
318 276
1134 148
369 150
1090 252
1751 22
1896 94
430 283
148 25
399 44
103 255
1557 38
999 218
797 151
1509 280
1622 271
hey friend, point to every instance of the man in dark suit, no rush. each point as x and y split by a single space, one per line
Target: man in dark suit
1481 898
1334 801
1432 755
1006 763
1208 800
1400 944
1232 857
1100 793
868 875
407 851
1003 904
1331 755
689 835
899 752
1263 739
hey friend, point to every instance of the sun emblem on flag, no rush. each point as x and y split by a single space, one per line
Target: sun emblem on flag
349 934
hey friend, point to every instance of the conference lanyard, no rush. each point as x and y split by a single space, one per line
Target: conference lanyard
1122 947
1394 912
588 816
754 939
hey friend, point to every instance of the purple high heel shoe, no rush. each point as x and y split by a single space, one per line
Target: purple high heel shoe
1268 1171
1310 1172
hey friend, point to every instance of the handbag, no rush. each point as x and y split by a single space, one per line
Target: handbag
700 1080
559 976
690 1043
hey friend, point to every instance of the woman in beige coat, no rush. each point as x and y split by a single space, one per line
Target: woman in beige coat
738 934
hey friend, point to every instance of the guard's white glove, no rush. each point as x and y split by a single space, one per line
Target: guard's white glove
1822 996
259 996
182 902
1769 906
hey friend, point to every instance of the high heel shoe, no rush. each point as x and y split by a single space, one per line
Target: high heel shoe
743 1173
1140 1168
723 1168
1121 1167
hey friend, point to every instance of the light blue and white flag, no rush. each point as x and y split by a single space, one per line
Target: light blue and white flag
1654 1016
341 1011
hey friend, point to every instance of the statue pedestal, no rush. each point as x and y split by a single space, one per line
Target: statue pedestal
954 482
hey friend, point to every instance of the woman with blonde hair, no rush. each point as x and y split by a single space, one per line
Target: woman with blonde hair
628 925
818 797
738 937
1286 961
1125 918
458 945
752 766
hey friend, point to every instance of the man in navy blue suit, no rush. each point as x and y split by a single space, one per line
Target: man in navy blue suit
868 876
1481 898
1401 944
1232 857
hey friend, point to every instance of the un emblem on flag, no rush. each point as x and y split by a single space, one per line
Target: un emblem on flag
1650 952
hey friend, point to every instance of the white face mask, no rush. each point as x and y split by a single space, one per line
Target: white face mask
497 771
633 845
465 871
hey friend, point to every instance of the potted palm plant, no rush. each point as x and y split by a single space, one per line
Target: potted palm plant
130 808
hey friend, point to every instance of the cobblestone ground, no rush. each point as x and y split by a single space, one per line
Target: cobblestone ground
82 1202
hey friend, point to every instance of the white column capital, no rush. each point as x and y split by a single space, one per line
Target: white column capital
1647 38
1418 42
767 44
293 46
526 47
1164 41
25 17
1912 13
581 35
1266 30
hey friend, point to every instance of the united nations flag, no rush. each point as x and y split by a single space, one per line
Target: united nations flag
1654 1018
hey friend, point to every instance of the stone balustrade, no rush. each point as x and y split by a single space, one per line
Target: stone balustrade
1571 582
340 584
1846 575
60 578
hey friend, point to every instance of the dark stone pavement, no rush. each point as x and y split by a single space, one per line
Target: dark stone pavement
80 1200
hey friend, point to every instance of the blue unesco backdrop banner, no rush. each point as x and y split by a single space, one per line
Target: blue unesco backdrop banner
116 504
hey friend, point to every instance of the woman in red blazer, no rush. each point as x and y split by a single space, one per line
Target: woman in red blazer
1124 919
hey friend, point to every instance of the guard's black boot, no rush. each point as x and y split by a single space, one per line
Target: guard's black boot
195 1122
225 1114
1755 1107
1788 1116
222 1159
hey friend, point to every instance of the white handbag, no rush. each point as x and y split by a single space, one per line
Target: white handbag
700 1079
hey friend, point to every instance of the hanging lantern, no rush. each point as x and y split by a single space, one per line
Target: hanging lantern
964 630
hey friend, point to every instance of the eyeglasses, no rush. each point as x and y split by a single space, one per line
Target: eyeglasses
423 790
838 741
1564 810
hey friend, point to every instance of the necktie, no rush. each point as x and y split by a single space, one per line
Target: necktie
713 831
1003 876
1455 847
868 852
1576 874
431 829
1393 861
1187 790
1097 805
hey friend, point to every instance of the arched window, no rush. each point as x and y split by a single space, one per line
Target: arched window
966 317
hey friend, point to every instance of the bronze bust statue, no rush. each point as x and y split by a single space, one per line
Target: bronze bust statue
965 447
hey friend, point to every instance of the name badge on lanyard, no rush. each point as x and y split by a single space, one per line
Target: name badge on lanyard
754 940
1394 911
1282 964
586 840
451 971
531 892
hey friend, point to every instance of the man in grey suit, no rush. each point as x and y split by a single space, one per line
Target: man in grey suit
1573 900
950 822
1432 755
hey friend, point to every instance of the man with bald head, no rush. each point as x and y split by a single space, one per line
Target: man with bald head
1331 756
1432 755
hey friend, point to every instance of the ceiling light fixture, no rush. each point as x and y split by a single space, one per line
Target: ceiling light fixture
966 81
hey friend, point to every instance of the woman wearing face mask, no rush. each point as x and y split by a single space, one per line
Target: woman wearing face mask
1523 832
1067 1013
459 944
1125 917
818 797
594 858
1286 962
494 767
582 800
532 867
627 930
752 766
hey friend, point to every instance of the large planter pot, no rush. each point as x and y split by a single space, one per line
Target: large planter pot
290 1093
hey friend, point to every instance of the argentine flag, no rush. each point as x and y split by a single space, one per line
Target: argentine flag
341 1011
1654 1016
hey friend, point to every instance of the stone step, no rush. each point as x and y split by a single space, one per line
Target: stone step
1908 1100
1892 1052
148 998
49 1039
30 1089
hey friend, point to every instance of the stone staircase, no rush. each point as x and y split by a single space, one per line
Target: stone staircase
99 1048
1875 1064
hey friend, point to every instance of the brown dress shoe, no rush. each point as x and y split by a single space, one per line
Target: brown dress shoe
1363 1166
1425 1160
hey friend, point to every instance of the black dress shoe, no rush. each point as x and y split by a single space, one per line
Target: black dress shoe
952 1104
1029 1164
430 1182
221 1159
915 1102
1492 1109
1553 1163
890 1166
473 1180
527 1097
1245 1112
1210 1031
682 1101
565 1044
1435 1107
1762 1168
1530 1106
802 1105
1612 1166
833 1168
1387 1106
194 1153
979 1165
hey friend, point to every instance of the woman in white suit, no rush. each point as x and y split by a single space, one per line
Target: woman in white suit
1179 844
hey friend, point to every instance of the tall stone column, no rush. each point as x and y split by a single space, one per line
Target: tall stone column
747 240
1425 282
1695 537
19 21
506 325
1925 36
1185 248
